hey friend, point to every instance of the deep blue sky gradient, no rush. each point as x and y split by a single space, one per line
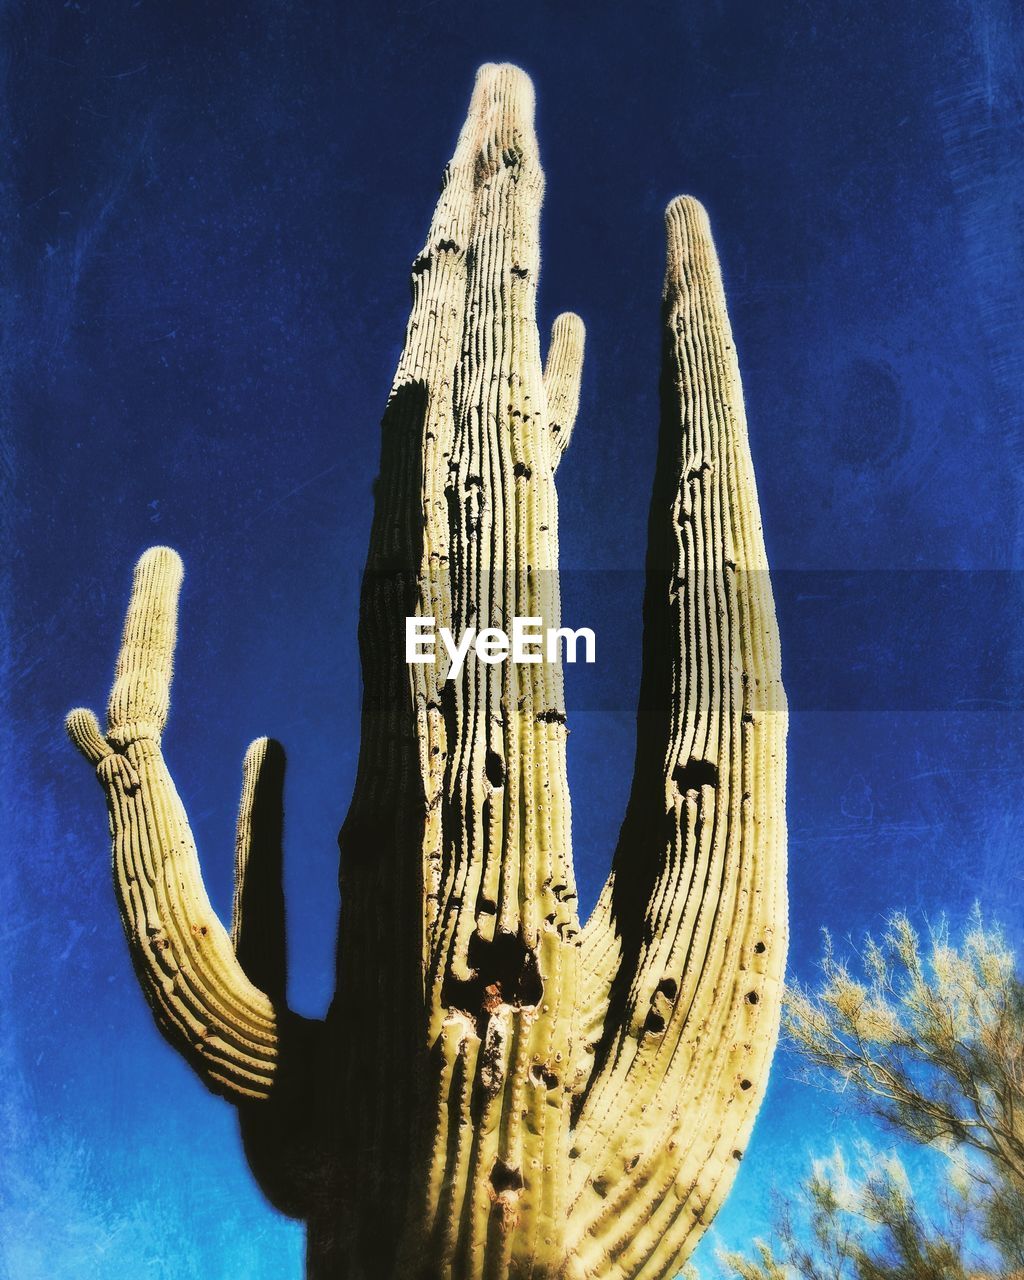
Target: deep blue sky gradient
209 216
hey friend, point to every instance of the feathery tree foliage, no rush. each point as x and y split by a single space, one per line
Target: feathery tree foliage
927 1038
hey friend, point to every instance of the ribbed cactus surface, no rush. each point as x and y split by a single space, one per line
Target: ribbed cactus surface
494 1091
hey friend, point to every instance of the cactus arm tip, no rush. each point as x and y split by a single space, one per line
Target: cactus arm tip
563 375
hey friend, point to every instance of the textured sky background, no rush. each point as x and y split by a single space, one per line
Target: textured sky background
209 215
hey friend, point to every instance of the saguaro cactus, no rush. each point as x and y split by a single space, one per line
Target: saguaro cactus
496 1092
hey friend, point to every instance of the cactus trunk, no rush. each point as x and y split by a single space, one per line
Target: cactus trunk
494 1092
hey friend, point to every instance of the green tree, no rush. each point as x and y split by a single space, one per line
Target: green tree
927 1038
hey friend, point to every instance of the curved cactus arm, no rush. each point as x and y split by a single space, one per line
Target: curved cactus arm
563 372
201 999
686 951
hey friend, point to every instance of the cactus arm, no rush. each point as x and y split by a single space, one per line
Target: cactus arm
257 915
201 999
563 372
283 1134
684 957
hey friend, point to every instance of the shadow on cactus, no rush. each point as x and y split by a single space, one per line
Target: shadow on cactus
496 1091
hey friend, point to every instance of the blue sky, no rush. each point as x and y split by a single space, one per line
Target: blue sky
210 214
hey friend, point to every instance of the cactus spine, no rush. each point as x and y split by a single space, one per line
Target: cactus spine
494 1091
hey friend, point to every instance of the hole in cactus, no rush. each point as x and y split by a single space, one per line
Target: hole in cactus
550 717
505 972
744 1085
505 1177
521 469
667 987
542 1075
759 948
494 767
695 774
737 1155
655 1024
752 997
